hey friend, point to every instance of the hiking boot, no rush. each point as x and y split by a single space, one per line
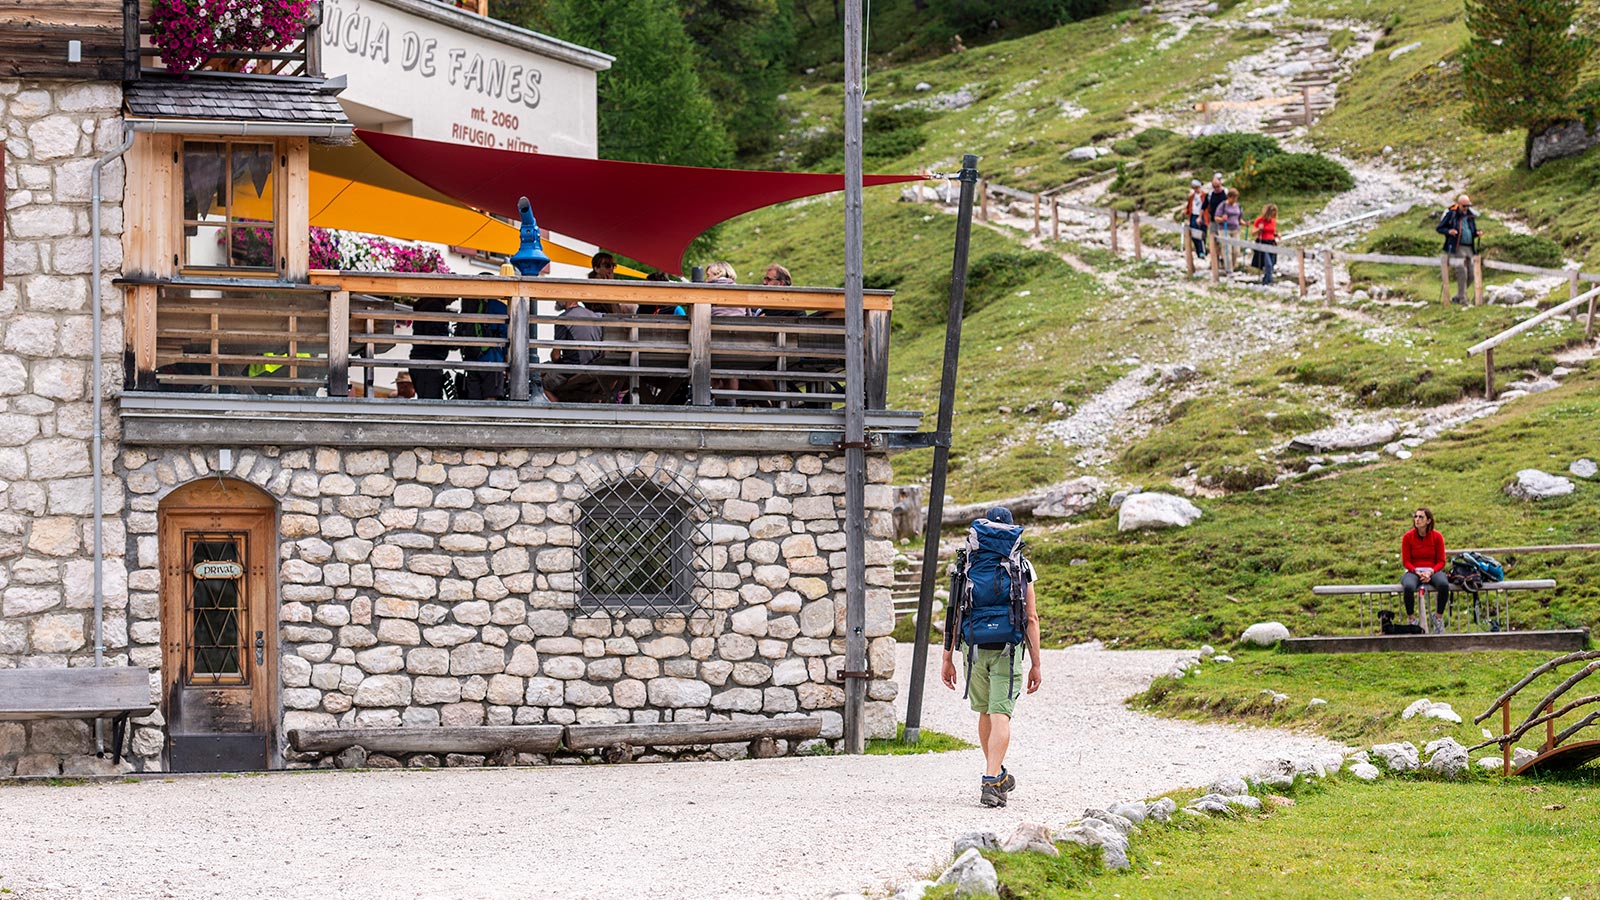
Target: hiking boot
991 795
1006 782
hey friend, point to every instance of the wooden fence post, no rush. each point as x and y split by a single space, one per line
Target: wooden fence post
517 347
1302 255
142 319
1327 274
1488 374
1477 280
1188 249
1205 110
339 344
1214 248
1055 219
983 200
1444 278
1113 232
1138 239
1505 731
1305 105
1035 215
700 353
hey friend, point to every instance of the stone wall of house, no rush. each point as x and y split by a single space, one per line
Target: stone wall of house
52 132
427 587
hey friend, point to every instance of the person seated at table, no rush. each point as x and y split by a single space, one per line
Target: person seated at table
669 309
429 382
1422 554
576 387
721 272
605 269
777 276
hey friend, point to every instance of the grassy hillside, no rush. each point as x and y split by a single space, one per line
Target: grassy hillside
1040 331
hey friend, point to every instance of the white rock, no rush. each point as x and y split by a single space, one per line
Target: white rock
972 875
1222 658
1265 634
1155 510
1365 771
1398 52
1401 757
1447 758
923 87
1532 484
1583 468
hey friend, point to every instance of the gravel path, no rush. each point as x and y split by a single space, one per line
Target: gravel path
789 828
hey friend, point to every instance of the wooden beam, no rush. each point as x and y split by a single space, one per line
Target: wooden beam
141 320
655 293
700 355
1301 253
1444 279
678 734
1477 280
1035 215
1327 273
1138 239
1488 373
339 344
877 358
517 334
465 739
1113 232
81 693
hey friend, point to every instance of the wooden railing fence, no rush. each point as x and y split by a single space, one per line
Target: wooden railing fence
1306 261
1545 711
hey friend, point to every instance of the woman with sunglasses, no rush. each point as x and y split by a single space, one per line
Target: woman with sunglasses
1422 554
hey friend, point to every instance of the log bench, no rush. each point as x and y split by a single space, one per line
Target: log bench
617 742
117 692
1496 609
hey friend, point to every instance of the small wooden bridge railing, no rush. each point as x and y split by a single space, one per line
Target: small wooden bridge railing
230 335
1553 754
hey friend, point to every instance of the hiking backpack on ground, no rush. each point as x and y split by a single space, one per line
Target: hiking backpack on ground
989 590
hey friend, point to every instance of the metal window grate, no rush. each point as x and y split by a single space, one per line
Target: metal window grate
644 546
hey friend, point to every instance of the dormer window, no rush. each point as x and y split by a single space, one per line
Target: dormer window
230 218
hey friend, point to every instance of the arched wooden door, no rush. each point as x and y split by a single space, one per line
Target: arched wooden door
218 625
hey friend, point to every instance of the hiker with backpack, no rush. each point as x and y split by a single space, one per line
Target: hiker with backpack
1459 225
992 615
1422 554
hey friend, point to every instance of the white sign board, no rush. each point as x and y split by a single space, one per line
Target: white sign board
431 71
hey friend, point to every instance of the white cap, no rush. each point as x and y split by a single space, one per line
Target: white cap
1194 182
1217 177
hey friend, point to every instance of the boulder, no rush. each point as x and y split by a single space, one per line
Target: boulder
1347 437
1446 757
983 840
1030 838
1071 497
1401 757
1083 153
1583 468
1155 510
1213 804
1265 634
1095 833
1365 771
1398 52
972 875
1243 801
916 890
1532 484
1123 826
1429 709
1161 809
1561 141
1229 787
1133 812
1276 773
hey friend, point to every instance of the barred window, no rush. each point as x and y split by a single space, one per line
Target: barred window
643 547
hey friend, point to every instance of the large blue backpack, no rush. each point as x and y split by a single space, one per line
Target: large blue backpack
990 590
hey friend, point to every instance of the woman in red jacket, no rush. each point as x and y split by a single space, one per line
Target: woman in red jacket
1422 553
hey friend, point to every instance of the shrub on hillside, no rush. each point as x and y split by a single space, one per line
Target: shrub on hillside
1297 173
1227 152
1405 245
1527 249
977 16
994 275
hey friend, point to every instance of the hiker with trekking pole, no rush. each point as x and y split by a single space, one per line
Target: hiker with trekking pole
992 615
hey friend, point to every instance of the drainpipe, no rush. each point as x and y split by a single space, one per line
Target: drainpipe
96 390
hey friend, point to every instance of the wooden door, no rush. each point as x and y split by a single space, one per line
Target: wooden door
219 627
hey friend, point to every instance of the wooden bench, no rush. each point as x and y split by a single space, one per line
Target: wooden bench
618 742
118 692
1496 609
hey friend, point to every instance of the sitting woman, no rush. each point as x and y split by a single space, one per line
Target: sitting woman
1422 554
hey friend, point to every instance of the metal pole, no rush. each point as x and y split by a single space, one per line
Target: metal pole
855 454
941 446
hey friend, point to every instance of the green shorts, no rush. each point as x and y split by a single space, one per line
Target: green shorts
993 686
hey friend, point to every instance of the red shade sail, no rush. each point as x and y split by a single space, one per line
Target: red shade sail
646 211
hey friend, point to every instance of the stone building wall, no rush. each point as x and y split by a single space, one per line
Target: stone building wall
428 587
53 131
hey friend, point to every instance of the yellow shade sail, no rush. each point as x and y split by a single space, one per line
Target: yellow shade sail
353 189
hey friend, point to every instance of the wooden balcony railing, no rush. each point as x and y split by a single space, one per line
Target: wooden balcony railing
243 336
302 57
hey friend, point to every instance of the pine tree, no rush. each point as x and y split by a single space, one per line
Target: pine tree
1522 64
744 48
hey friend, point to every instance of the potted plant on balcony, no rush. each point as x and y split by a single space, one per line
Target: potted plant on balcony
190 32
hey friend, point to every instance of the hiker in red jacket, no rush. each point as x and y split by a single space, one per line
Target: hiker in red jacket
1422 554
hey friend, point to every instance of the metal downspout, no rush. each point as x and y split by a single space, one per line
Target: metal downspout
96 393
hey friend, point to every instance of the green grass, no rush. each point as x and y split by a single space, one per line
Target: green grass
1341 838
1366 692
929 741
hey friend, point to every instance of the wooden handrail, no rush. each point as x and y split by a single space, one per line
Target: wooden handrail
1531 322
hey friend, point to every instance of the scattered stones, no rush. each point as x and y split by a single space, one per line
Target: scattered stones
1030 838
1071 497
1315 702
1347 437
1229 787
972 875
1583 468
1400 757
1155 510
1222 658
1430 709
1095 833
1532 484
1265 634
1161 809
983 840
1365 771
1446 757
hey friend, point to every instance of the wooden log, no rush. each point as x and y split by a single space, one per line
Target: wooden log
463 739
1571 730
1477 280
678 734
1511 736
1527 679
1302 257
1113 232
1534 321
1138 239
83 693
